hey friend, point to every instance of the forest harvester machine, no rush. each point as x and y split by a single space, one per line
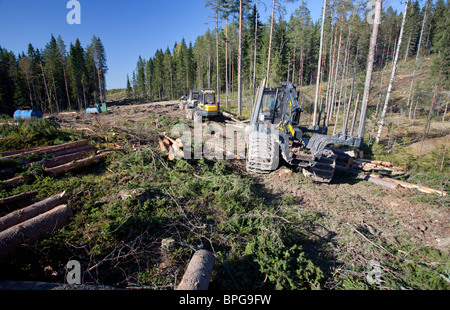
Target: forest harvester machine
275 128
202 104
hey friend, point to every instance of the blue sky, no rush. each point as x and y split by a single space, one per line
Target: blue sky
127 28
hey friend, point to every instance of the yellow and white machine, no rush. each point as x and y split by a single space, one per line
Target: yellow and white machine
206 106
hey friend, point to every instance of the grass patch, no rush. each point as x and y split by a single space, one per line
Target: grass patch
32 133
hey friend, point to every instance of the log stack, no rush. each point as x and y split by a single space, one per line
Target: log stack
57 160
174 147
348 159
31 223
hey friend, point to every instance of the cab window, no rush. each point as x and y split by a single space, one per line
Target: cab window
269 101
209 99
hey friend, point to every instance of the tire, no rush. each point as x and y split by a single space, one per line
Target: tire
324 169
263 153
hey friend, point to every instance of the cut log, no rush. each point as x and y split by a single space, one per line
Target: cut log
11 201
174 142
64 159
49 149
77 164
78 149
171 153
421 188
386 182
33 229
373 162
29 212
179 142
231 116
166 142
10 182
162 146
199 271
8 153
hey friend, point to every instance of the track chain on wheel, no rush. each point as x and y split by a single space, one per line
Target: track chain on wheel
263 153
323 171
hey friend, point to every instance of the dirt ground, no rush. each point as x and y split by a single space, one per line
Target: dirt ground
348 212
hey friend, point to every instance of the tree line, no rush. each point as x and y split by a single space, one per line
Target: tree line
242 49
53 79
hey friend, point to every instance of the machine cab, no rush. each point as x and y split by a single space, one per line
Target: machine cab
279 104
192 101
207 104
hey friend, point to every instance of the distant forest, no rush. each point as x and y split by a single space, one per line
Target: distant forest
283 48
213 59
53 79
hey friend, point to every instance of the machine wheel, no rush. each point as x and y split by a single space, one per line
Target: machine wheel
323 171
198 117
263 153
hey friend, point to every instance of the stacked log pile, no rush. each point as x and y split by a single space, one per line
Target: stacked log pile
347 159
31 223
57 160
353 162
174 147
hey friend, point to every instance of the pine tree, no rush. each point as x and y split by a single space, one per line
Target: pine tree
316 100
129 88
241 12
391 81
53 70
63 54
149 69
140 77
370 62
215 6
299 34
97 68
168 73
78 73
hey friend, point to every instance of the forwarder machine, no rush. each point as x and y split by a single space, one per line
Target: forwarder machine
190 103
275 128
204 106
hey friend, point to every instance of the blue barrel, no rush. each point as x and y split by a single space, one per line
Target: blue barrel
93 110
27 114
